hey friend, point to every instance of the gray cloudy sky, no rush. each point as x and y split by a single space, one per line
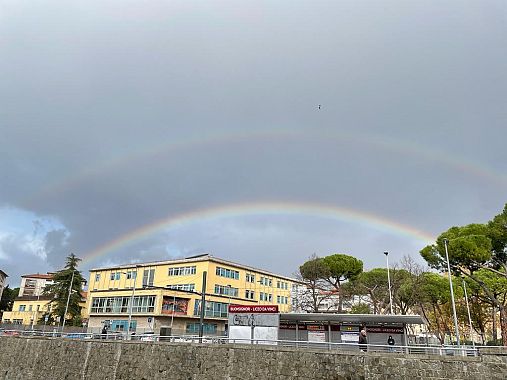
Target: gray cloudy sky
116 115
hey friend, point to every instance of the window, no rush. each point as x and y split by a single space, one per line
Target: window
282 299
266 281
185 287
121 325
181 271
97 277
226 290
229 273
208 328
115 276
148 276
213 309
266 297
141 304
281 285
30 308
249 294
250 277
131 275
22 308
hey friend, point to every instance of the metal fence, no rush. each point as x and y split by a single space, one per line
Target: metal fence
350 347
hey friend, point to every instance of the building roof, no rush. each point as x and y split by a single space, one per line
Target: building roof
48 276
3 273
354 318
194 259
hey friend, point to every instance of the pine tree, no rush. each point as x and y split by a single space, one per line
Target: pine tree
59 289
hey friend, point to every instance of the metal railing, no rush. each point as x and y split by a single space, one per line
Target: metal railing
330 346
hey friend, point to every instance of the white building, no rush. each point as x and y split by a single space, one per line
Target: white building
34 284
3 281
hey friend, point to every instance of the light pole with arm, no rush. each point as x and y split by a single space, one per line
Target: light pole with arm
68 299
389 282
134 277
468 310
452 292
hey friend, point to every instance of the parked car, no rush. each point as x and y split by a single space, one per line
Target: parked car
148 336
10 333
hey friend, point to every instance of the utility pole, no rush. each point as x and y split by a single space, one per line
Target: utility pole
469 316
389 282
452 292
68 298
172 314
203 306
131 303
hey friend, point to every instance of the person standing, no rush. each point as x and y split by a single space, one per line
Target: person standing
363 340
390 342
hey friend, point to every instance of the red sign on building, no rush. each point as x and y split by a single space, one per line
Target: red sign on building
266 309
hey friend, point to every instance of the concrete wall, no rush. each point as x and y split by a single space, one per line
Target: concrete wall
58 359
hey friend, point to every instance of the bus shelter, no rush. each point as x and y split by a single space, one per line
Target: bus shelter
345 328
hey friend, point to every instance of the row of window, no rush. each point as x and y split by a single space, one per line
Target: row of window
141 304
229 273
115 276
208 328
186 287
149 276
30 308
226 290
213 309
182 271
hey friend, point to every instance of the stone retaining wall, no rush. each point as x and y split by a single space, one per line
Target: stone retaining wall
58 359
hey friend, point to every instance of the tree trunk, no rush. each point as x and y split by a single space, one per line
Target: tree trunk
503 324
493 316
441 337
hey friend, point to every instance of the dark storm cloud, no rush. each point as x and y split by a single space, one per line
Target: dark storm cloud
87 83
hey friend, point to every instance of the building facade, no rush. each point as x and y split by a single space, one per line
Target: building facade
32 304
34 284
168 294
3 281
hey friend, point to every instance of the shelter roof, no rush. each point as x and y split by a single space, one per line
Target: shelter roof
354 318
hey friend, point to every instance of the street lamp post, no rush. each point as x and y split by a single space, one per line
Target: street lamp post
172 314
229 290
134 275
469 315
68 299
389 282
35 313
452 292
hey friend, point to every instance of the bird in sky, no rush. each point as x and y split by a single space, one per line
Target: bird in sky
319 106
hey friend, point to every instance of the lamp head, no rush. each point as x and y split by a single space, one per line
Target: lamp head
386 253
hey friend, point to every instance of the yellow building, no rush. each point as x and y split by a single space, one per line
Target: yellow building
168 294
31 305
